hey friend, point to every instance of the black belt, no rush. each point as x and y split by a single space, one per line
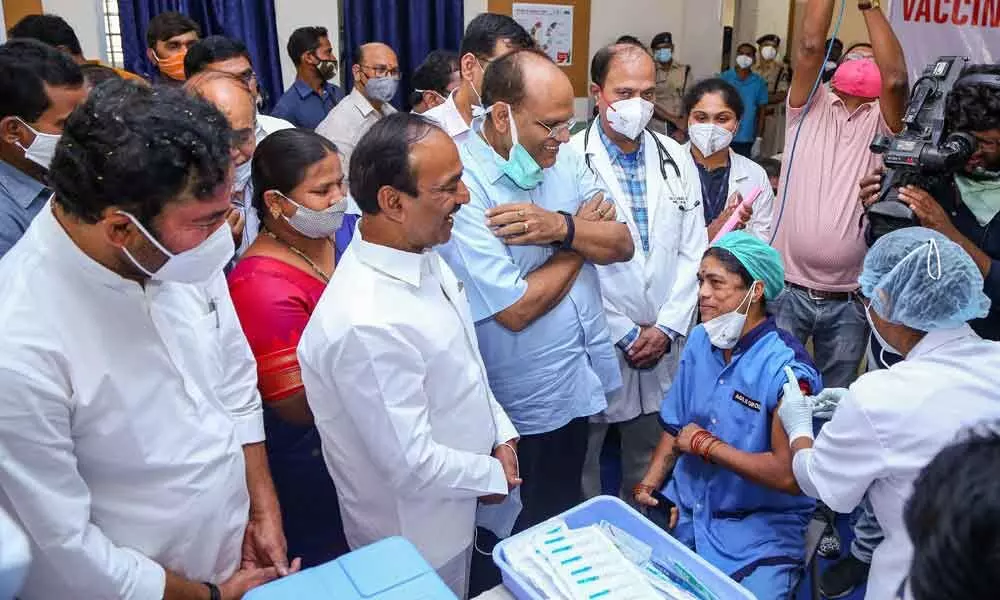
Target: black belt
823 294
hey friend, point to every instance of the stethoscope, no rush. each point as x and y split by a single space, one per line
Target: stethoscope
665 159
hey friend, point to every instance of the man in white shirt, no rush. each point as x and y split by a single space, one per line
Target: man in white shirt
130 422
233 97
649 300
376 79
411 432
921 290
488 37
228 55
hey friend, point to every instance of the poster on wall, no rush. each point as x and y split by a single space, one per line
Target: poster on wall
551 25
928 29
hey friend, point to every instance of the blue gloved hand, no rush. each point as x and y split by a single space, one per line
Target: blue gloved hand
796 411
826 402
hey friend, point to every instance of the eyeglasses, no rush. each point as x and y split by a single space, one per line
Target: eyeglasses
556 131
246 77
243 137
383 70
855 56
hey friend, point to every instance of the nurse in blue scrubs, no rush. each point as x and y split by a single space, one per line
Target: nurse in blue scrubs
735 499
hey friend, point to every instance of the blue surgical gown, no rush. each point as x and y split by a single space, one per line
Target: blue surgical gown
754 534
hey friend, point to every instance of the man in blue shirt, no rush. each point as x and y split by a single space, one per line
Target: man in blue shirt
41 87
753 91
168 37
306 103
525 247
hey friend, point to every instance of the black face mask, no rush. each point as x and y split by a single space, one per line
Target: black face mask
327 68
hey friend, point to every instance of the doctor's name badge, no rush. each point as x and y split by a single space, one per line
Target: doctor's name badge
746 401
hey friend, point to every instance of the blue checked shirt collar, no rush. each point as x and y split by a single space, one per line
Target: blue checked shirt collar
630 169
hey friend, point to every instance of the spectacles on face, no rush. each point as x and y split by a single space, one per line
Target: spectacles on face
248 76
557 130
243 137
383 70
856 56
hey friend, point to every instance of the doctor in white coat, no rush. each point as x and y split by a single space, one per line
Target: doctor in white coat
723 177
888 426
649 300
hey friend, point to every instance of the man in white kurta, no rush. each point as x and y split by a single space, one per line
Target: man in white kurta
892 422
649 300
131 433
391 364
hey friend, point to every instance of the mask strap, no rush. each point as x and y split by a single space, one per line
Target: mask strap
431 91
934 253
749 297
513 127
33 130
149 237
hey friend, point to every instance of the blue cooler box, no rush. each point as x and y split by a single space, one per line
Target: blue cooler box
391 569
615 511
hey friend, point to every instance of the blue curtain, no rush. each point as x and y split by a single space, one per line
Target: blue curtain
251 21
411 27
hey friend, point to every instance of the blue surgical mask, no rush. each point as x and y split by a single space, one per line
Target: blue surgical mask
520 166
663 55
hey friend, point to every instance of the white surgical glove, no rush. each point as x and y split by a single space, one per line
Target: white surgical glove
796 411
826 402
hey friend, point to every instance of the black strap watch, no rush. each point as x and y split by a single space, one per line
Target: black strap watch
567 243
213 591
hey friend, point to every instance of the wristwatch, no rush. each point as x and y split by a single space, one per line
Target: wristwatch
567 243
213 591
869 4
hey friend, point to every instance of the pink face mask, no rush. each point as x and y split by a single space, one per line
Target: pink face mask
859 78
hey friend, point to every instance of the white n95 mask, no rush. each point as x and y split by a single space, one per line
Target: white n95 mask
743 61
768 52
316 224
709 137
41 150
725 330
243 173
197 265
630 117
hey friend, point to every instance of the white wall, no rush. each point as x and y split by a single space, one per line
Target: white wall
292 14
696 25
85 17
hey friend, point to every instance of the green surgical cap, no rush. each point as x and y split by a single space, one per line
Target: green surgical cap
760 260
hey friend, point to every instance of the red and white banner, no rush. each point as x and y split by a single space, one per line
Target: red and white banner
932 28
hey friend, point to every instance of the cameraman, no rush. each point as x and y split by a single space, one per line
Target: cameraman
965 207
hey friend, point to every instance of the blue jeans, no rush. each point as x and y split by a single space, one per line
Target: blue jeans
867 532
838 329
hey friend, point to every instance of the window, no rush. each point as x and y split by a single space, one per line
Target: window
113 34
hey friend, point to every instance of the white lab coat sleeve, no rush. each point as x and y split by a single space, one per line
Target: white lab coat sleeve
845 460
237 390
41 487
677 311
390 407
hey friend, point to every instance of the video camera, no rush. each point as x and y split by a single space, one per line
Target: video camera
917 155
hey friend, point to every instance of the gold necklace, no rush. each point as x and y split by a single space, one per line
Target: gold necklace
299 253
